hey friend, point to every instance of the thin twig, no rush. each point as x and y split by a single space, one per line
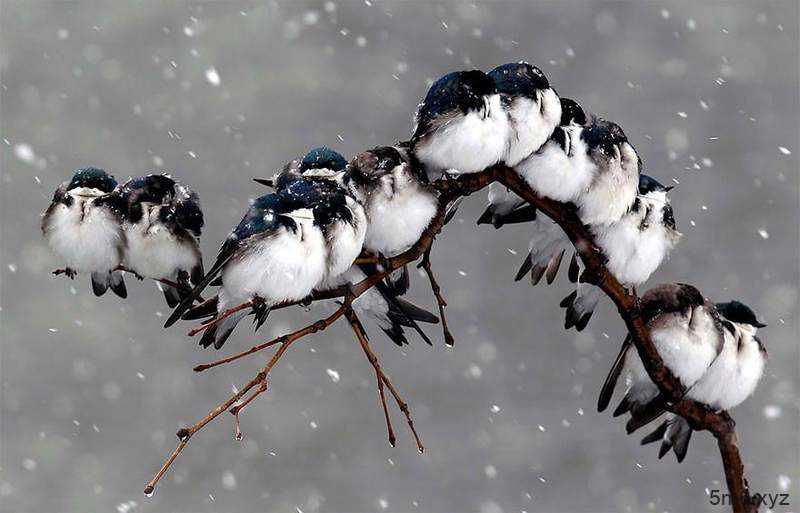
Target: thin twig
291 337
241 406
437 292
185 434
362 339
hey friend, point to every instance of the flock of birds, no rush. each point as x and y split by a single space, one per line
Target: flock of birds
307 234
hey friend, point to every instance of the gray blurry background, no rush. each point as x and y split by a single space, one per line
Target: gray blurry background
94 389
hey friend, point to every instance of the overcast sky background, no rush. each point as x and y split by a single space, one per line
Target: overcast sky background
94 389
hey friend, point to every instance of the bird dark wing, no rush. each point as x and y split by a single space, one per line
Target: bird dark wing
262 218
226 252
613 375
670 297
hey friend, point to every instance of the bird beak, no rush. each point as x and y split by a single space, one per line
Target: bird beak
668 188
760 325
264 181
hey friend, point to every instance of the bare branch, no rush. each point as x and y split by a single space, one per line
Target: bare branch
698 415
437 292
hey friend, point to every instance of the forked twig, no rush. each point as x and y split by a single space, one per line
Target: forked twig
362 339
383 379
185 434
437 292
262 387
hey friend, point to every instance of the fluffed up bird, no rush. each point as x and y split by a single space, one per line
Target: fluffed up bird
162 221
285 246
461 126
399 207
634 247
593 166
711 348
84 229
505 207
532 106
392 204
322 162
731 379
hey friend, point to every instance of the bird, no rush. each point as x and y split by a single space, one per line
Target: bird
84 229
322 162
279 252
593 166
634 247
687 331
532 106
163 221
399 207
505 207
397 196
731 378
461 126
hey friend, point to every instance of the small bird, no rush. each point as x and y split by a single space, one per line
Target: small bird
162 221
593 166
398 204
325 168
505 207
461 126
634 247
687 331
84 229
371 187
321 162
283 248
399 207
533 108
731 378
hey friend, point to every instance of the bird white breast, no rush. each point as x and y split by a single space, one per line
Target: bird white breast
502 200
640 388
613 190
398 212
284 266
532 122
558 175
634 254
88 238
686 349
345 239
155 252
735 373
462 144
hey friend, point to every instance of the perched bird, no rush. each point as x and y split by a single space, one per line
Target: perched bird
398 204
461 126
322 162
731 378
162 221
286 245
593 166
533 108
380 195
505 207
84 229
399 207
634 247
688 334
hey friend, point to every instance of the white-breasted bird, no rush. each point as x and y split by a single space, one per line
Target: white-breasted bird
162 221
84 229
532 106
505 207
688 334
731 378
634 247
461 126
279 252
